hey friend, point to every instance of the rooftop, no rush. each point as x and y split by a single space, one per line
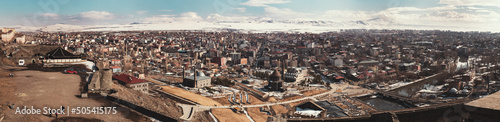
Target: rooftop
128 79
198 77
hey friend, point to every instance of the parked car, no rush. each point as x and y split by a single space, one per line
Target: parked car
70 71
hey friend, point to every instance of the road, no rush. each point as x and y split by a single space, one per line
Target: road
346 88
331 91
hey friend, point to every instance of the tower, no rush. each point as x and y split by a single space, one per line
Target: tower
283 70
183 72
195 73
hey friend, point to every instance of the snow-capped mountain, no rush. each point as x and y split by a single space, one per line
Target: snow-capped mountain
244 24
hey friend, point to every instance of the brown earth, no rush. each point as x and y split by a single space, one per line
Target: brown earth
279 109
190 96
257 115
48 89
202 116
227 115
157 104
313 92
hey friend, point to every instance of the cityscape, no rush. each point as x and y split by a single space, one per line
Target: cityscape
248 64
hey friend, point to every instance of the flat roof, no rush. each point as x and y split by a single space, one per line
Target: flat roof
331 109
198 77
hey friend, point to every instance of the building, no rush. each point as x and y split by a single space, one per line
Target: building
116 69
20 38
198 80
235 57
8 34
221 61
80 50
60 55
116 62
275 82
243 61
295 74
338 62
132 82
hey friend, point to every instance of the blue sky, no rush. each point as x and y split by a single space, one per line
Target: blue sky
88 12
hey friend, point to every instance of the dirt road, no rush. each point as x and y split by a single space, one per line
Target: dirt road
47 89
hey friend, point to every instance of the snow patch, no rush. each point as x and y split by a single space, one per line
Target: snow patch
307 112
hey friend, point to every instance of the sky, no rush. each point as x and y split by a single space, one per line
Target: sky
467 13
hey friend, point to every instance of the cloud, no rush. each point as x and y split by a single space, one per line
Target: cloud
495 3
186 16
218 18
284 13
345 15
190 15
50 15
96 15
263 3
447 15
450 16
141 12
241 9
165 10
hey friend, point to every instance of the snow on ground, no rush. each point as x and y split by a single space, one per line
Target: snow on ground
399 84
307 112
88 64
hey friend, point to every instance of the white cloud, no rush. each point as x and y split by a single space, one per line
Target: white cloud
284 13
50 15
473 8
448 15
495 3
187 16
451 16
345 15
190 15
241 9
218 18
141 12
96 15
263 3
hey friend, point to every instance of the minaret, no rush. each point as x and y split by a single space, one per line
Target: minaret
283 69
195 82
183 73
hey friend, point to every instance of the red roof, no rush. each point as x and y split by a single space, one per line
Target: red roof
128 79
